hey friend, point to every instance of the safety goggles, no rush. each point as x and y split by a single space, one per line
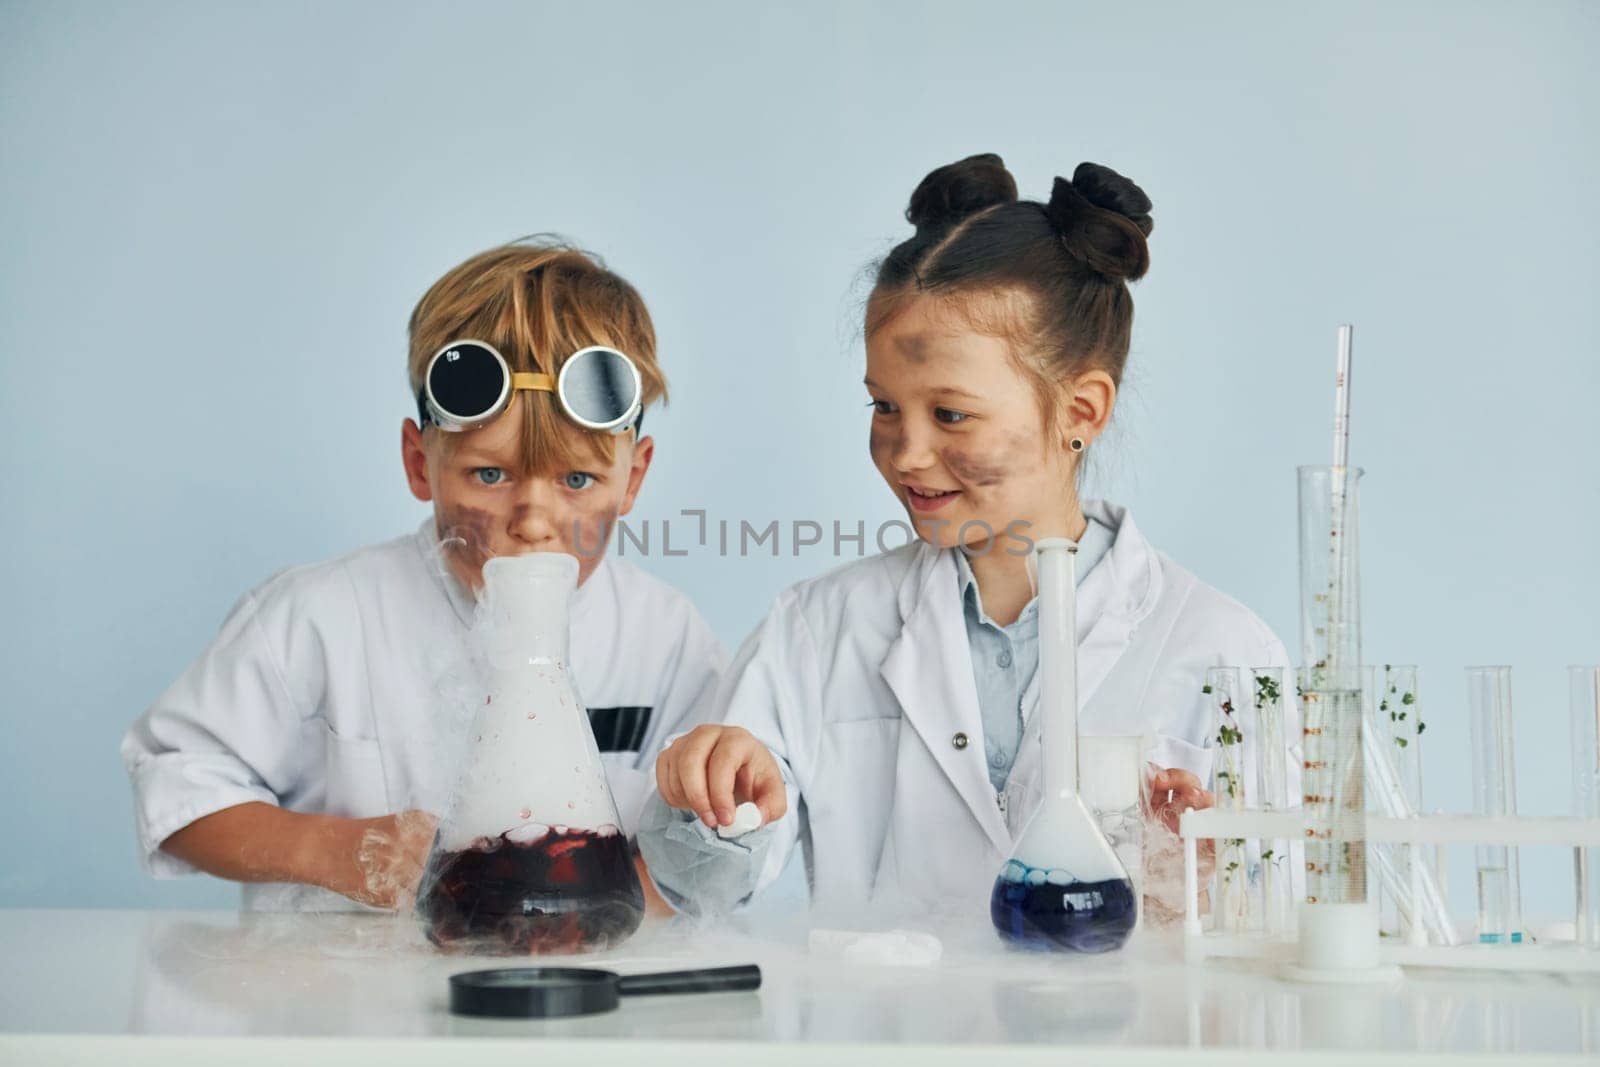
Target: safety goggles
468 383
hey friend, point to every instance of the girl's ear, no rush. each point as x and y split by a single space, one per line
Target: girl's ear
415 457
1086 409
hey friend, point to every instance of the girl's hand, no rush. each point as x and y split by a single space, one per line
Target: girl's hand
1172 792
713 769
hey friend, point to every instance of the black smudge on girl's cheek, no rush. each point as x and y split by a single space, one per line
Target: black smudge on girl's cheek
980 469
989 467
882 444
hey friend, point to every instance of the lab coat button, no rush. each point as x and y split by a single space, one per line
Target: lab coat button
959 740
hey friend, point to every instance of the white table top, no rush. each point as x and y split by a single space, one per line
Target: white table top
174 987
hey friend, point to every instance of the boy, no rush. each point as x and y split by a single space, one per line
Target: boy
292 756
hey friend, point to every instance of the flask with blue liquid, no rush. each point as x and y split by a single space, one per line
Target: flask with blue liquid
1062 888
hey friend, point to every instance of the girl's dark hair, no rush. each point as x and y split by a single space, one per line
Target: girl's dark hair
1070 258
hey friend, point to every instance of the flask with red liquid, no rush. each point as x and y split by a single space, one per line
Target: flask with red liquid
530 856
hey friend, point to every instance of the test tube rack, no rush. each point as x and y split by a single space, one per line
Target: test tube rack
1542 956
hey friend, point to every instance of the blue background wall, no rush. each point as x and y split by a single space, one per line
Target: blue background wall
215 220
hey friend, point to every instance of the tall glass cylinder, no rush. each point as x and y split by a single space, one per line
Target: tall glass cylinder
1494 793
1333 781
1330 566
1330 685
1584 685
1272 761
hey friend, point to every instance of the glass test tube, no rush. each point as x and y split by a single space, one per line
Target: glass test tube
1396 706
1231 723
1272 761
1584 685
1400 722
1494 793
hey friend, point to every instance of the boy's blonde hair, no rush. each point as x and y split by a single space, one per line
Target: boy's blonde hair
538 300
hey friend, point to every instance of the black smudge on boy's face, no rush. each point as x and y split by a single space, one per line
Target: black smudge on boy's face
465 540
604 524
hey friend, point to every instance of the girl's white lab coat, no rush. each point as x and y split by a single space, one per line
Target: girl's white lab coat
861 682
341 688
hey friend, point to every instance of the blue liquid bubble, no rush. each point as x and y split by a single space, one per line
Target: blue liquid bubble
1048 910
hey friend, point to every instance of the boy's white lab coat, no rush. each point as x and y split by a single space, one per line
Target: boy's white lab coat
342 688
861 682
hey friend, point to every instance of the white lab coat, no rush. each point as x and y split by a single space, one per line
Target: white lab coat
860 682
342 688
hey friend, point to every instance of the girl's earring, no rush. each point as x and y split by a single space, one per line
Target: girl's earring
1076 444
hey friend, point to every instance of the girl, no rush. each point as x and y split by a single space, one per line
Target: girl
883 713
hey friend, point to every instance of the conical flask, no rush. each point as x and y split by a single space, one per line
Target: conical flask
1063 887
529 857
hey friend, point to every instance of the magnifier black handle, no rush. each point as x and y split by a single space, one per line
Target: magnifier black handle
716 980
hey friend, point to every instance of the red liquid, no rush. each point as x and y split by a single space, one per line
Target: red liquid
569 891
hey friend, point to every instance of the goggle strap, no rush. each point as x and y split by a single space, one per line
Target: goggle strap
539 383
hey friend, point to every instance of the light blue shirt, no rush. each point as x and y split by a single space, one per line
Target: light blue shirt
1005 658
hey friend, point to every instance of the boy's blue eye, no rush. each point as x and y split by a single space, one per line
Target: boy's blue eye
881 407
489 475
946 415
578 479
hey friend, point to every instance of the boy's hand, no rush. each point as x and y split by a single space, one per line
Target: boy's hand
386 862
373 861
713 769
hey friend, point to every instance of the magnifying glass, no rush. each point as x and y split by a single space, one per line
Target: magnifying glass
549 992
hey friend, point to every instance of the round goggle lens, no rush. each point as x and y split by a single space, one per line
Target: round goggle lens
466 380
599 387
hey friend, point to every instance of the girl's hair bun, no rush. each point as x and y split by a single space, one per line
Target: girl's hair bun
956 190
1104 187
1103 219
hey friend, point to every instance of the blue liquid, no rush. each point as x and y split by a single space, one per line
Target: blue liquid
1030 910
